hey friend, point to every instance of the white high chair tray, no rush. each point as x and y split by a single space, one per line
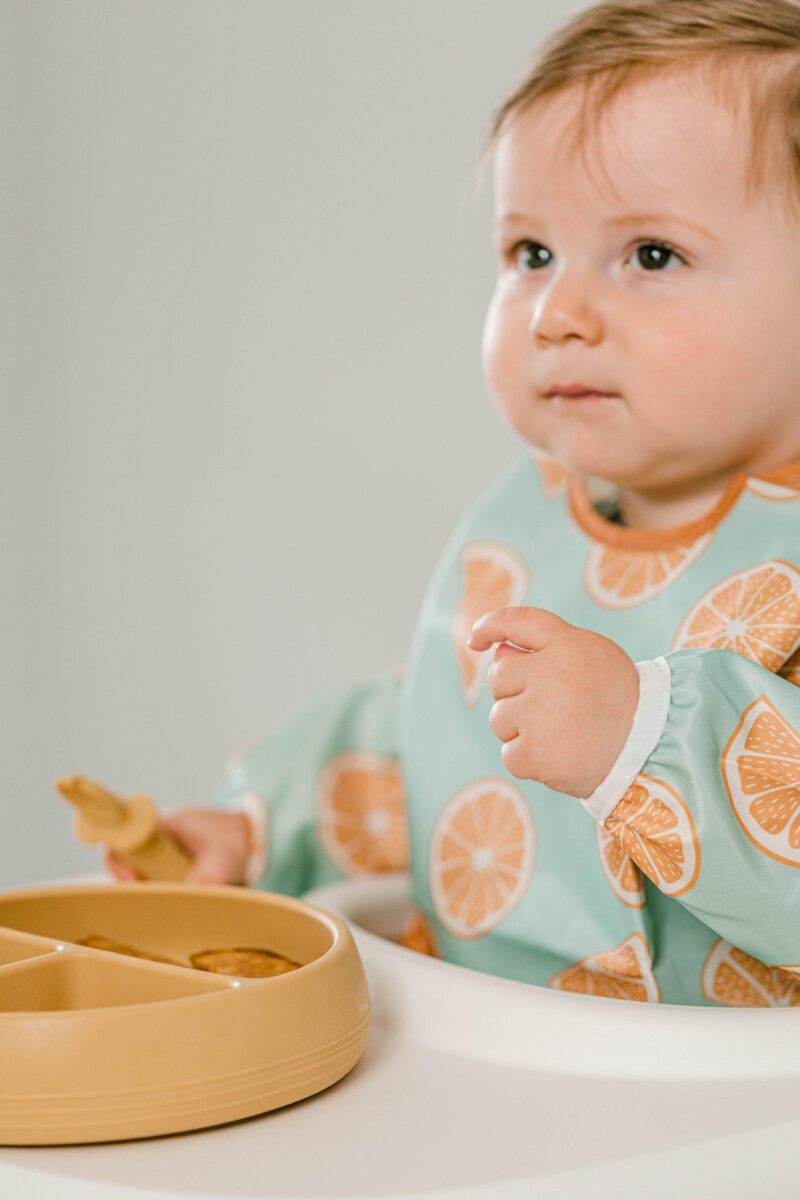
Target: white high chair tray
475 1087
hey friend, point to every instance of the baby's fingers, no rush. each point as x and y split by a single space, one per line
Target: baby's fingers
207 867
117 867
217 843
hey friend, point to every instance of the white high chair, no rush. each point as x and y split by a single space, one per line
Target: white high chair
478 1088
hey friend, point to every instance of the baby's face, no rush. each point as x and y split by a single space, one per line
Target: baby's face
699 343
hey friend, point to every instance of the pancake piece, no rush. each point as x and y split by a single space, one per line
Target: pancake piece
246 963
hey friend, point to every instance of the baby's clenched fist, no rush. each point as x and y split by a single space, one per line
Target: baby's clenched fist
218 842
565 703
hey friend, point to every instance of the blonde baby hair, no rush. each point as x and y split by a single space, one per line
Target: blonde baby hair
748 49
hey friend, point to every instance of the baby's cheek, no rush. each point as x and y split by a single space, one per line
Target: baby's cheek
498 350
701 370
689 391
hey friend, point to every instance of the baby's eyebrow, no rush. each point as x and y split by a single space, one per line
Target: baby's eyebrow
660 219
628 219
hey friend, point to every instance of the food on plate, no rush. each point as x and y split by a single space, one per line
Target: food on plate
249 963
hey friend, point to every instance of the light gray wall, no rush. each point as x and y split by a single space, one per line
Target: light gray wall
244 284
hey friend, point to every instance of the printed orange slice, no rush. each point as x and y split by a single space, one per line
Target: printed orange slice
761 771
622 874
616 578
730 976
654 826
481 856
553 475
754 612
493 576
361 812
765 489
420 935
624 973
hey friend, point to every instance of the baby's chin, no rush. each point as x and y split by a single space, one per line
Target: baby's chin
614 464
646 474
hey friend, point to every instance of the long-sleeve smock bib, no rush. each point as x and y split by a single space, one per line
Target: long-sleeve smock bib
678 880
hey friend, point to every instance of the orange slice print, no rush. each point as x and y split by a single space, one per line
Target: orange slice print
494 576
761 772
481 856
754 612
420 935
616 578
656 829
624 973
730 976
553 475
361 812
624 877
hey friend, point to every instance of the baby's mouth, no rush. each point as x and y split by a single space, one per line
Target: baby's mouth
582 399
578 391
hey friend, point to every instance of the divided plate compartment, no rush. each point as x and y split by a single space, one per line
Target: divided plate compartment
100 1046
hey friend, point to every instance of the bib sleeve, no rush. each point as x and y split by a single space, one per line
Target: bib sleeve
323 790
705 796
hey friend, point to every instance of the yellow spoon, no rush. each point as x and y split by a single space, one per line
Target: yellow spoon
127 826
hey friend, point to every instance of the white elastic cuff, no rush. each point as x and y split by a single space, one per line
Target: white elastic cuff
655 681
255 809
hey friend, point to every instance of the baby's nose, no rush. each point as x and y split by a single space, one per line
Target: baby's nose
565 310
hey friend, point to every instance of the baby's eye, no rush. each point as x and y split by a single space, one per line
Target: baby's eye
533 251
655 254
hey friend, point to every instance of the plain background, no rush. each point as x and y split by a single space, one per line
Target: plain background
245 276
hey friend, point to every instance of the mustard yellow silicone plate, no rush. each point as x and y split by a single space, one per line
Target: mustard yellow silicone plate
97 1046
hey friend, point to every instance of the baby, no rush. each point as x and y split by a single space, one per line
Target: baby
609 802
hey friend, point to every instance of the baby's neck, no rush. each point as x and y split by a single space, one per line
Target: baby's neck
667 509
670 507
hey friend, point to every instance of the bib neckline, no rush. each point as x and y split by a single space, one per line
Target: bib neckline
600 529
